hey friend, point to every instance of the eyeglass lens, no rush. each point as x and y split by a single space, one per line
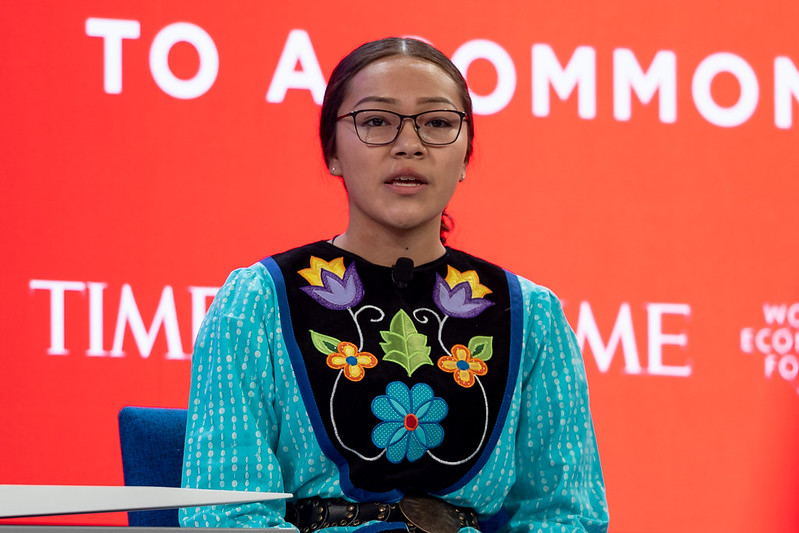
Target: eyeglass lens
376 126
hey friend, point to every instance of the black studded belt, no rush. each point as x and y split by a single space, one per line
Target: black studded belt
422 514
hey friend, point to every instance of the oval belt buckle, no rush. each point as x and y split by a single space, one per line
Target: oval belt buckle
430 515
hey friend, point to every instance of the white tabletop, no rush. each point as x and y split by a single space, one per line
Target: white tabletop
49 528
42 500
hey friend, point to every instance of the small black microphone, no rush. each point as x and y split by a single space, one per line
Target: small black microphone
402 272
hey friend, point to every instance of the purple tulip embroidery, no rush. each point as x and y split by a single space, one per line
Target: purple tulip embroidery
331 285
458 301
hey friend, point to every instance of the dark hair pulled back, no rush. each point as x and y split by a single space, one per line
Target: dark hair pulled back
373 51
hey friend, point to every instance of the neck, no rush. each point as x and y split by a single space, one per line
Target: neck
384 247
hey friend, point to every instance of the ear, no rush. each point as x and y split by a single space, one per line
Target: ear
334 166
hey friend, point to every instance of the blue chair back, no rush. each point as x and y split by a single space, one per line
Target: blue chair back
152 439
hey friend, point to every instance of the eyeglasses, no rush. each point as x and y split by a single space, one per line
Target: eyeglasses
436 128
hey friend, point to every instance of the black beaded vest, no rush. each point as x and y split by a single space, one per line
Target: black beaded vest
407 382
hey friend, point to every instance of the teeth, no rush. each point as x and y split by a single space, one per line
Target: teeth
406 181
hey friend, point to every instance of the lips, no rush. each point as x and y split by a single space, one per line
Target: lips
406 178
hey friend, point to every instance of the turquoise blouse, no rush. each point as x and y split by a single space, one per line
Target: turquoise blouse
250 427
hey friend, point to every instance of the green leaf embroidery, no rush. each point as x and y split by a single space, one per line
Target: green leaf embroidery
481 347
323 343
404 345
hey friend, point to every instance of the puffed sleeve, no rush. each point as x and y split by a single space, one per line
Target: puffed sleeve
559 484
232 424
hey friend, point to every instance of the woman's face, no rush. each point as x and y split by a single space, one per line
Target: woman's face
405 185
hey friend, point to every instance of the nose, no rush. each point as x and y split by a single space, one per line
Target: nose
408 142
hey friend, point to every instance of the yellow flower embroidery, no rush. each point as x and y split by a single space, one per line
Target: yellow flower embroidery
351 360
462 365
454 277
313 274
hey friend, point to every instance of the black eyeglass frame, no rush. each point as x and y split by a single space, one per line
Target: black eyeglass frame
463 116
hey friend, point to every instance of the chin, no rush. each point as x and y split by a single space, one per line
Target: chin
414 223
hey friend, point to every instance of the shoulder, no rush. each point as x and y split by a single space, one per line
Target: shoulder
537 296
258 281
542 308
251 279
533 296
258 277
244 293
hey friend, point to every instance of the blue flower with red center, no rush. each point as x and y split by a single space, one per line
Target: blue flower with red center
410 418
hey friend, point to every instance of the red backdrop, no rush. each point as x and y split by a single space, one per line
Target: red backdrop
638 158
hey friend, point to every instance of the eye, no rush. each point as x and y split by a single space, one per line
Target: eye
376 119
438 123
440 119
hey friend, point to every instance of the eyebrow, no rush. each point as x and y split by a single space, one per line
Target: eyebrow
426 100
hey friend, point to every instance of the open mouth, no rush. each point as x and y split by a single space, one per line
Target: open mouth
405 181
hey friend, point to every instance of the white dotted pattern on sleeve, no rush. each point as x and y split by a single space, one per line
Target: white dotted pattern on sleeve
248 428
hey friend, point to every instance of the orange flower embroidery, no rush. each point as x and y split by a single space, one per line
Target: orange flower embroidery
351 360
462 365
